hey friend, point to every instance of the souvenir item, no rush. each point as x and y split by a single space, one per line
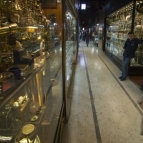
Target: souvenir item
28 129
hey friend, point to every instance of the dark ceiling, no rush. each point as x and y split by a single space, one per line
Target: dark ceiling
90 14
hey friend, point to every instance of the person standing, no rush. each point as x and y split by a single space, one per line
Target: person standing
87 38
130 47
83 35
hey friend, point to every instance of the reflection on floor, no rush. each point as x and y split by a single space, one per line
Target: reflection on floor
137 80
103 108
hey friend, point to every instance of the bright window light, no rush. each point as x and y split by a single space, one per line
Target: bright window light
83 6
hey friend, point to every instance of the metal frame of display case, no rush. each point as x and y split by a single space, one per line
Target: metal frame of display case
110 9
69 54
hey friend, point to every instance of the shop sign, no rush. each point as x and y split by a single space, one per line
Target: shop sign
139 8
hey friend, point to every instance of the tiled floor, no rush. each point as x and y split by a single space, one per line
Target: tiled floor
103 108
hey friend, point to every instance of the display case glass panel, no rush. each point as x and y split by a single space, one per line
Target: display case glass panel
70 44
138 31
31 90
37 102
118 24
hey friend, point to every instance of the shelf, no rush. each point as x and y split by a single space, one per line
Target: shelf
136 65
117 38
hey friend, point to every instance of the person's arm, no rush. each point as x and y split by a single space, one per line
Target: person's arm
140 41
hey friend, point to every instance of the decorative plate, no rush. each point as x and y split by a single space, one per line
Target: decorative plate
28 129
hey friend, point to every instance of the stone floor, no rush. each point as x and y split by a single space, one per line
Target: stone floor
103 108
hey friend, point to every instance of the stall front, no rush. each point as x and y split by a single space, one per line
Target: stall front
118 24
31 97
71 48
36 57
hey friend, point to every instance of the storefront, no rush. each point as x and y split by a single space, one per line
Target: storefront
101 29
118 23
71 43
38 48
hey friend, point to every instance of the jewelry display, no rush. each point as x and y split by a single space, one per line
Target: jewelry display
119 24
21 100
24 37
27 134
24 41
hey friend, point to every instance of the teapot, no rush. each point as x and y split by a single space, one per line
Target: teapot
138 27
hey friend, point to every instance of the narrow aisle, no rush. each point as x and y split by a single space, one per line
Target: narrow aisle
103 109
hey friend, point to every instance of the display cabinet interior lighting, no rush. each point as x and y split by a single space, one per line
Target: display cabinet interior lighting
69 14
31 29
5 138
55 24
41 26
39 37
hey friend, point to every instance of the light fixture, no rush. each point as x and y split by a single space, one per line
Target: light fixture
31 29
83 6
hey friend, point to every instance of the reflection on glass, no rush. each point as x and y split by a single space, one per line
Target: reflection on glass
70 43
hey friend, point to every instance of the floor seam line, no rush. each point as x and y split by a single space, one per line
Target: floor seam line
96 125
134 103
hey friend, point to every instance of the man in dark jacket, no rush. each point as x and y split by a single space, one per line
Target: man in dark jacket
130 47
87 38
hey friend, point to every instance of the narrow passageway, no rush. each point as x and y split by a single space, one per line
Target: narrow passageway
103 108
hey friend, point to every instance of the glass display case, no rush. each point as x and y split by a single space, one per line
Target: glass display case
138 30
31 90
36 102
118 24
100 33
24 42
70 44
95 34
